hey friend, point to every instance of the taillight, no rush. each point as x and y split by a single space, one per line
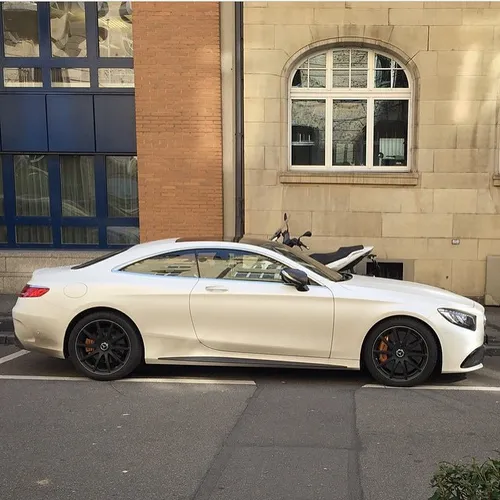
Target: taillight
33 291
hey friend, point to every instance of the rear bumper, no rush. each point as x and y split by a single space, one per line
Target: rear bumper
38 330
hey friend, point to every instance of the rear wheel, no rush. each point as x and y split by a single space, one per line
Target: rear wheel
401 353
105 346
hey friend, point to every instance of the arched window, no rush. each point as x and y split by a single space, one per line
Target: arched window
349 109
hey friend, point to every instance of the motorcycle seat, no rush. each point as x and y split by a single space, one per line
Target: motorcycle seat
342 252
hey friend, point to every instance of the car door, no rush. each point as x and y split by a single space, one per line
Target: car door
240 304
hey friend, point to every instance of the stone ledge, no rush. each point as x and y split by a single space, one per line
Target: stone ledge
496 180
378 179
52 253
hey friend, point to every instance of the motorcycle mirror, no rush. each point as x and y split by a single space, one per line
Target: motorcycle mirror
308 234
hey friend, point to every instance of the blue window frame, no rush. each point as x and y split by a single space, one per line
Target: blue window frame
41 202
67 126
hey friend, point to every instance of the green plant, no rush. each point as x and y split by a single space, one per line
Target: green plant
471 481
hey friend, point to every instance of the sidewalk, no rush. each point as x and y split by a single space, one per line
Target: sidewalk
7 302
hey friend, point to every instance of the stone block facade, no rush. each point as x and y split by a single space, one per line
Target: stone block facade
450 194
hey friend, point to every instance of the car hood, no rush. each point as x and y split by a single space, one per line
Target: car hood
424 292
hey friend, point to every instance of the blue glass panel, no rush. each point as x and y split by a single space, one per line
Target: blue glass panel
23 123
71 123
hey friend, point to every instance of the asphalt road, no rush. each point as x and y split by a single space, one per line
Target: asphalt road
234 434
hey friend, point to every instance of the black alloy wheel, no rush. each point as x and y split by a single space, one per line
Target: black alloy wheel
105 346
401 353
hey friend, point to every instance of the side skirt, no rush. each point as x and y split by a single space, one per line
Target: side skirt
225 361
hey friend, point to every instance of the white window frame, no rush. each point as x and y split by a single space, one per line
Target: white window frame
370 94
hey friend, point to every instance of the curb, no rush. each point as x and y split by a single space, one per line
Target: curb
7 339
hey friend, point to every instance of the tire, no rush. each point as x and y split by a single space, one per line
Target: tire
105 346
401 352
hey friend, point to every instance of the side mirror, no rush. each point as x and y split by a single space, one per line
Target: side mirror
296 278
307 234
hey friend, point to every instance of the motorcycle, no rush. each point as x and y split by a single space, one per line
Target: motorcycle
345 259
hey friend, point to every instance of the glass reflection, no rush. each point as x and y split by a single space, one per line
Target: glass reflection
115 29
77 186
121 173
20 29
31 185
67 29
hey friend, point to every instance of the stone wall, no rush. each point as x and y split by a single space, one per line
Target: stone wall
17 267
453 51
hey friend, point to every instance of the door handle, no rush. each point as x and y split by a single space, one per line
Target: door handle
216 288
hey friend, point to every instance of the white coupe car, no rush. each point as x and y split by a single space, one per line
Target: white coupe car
251 303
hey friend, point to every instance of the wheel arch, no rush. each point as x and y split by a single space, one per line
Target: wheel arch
404 317
93 310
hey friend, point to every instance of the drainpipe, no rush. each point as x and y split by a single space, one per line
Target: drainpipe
239 139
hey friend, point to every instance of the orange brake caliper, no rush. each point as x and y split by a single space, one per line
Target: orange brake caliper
383 347
89 342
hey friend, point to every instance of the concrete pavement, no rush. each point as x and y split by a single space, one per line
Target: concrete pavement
271 435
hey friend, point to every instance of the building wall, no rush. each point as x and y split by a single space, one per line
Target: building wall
453 51
178 117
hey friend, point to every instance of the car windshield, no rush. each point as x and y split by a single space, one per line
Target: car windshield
304 260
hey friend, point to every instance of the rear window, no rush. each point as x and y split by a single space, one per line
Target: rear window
99 259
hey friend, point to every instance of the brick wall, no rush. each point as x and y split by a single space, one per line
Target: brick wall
178 113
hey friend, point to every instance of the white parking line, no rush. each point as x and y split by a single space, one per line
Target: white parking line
471 388
12 356
127 380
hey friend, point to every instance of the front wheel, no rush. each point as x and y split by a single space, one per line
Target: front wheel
105 346
401 353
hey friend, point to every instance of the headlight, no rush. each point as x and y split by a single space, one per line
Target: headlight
459 318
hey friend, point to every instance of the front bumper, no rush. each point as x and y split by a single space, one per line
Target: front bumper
475 358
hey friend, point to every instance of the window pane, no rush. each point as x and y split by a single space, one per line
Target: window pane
115 29
34 234
349 133
340 78
77 186
317 78
383 78
31 185
390 133
2 212
300 78
121 173
359 78
67 29
3 234
359 59
22 77
70 77
308 132
318 61
179 264
20 29
382 62
400 80
341 58
116 77
80 235
122 235
236 265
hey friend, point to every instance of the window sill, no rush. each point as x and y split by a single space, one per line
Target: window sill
496 180
377 179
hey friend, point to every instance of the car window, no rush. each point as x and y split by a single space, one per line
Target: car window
99 259
181 264
238 265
